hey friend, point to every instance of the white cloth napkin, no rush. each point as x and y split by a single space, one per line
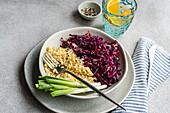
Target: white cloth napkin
152 67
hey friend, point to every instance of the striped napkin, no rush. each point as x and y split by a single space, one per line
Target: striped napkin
152 67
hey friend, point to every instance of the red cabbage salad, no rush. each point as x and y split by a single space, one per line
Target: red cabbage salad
102 57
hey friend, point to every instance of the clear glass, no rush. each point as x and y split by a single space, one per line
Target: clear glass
116 25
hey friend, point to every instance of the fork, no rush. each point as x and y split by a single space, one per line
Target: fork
55 66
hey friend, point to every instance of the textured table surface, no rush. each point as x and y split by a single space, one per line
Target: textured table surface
24 23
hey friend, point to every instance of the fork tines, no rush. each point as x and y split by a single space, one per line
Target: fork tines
50 61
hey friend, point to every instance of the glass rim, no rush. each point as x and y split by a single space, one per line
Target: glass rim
119 15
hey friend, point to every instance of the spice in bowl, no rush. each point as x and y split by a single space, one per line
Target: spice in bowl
89 11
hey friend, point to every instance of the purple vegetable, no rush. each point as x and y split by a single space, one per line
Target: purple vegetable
100 56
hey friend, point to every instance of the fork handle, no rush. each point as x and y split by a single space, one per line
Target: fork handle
95 89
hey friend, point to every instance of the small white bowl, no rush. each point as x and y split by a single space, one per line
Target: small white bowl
90 4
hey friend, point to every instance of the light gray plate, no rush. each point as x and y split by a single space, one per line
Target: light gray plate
67 104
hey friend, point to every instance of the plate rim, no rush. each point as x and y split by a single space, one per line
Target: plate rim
42 71
52 109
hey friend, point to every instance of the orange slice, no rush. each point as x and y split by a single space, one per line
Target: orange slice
127 12
113 7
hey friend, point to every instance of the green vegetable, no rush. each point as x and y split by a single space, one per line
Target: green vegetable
61 92
71 84
56 86
43 85
83 90
56 78
42 82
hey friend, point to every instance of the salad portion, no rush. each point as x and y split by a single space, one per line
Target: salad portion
102 57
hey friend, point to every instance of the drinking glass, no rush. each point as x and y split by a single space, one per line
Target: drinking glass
118 15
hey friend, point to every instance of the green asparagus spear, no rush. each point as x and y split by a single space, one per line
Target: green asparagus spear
56 78
56 86
71 84
61 92
42 82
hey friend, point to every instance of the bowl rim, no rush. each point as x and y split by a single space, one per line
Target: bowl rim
97 4
42 71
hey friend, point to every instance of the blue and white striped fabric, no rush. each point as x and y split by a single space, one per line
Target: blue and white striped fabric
147 79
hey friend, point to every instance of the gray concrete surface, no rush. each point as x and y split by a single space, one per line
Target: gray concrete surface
24 23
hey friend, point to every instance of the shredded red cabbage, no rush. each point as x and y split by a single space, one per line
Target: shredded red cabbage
100 56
